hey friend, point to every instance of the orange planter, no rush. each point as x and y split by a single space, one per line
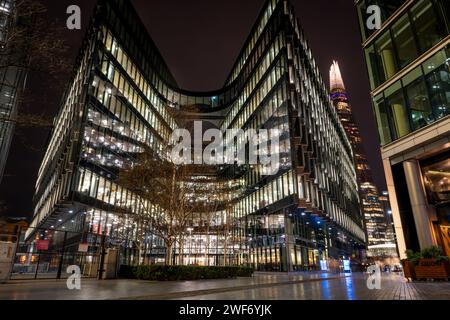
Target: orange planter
430 269
408 270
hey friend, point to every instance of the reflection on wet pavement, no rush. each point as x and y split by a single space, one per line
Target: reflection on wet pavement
263 286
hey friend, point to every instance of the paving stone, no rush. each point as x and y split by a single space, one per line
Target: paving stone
263 286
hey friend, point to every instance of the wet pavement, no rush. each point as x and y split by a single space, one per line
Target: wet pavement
263 286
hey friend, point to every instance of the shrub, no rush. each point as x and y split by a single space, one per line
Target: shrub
175 273
413 257
427 253
431 253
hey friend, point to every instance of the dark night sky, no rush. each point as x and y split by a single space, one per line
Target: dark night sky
200 41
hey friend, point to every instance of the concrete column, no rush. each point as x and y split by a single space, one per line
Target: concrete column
289 242
423 214
395 209
401 119
388 62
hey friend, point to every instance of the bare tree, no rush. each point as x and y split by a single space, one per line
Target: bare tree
166 197
29 121
31 43
177 200
217 200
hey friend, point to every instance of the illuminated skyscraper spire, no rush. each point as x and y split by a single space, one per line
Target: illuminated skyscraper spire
336 82
380 243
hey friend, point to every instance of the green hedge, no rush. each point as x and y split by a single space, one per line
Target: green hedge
175 273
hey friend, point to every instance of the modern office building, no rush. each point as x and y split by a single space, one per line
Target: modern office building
12 81
380 243
123 97
408 61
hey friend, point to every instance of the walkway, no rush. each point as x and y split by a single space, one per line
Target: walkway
299 286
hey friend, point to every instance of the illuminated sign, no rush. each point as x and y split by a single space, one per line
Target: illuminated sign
42 245
347 267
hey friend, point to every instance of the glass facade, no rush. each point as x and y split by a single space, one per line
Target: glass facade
123 98
408 64
418 99
11 82
418 29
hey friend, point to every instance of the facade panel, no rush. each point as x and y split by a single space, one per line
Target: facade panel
11 81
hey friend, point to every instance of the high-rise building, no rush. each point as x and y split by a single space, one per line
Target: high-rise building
379 242
123 96
408 60
385 203
11 81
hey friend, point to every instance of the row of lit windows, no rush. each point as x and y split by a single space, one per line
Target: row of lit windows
133 72
257 98
272 30
136 131
125 89
335 172
326 136
106 150
63 125
259 73
48 198
117 149
128 124
98 187
272 192
275 109
258 31
109 98
263 114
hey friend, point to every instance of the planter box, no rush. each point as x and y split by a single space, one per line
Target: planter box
409 270
430 269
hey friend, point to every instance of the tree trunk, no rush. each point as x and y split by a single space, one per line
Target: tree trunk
225 249
169 254
208 243
181 255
